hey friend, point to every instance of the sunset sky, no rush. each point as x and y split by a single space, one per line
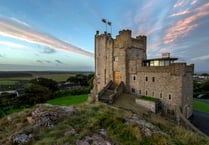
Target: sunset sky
59 34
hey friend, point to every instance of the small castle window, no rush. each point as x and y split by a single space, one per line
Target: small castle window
152 94
161 95
132 90
115 58
134 78
139 91
146 79
153 79
146 93
169 96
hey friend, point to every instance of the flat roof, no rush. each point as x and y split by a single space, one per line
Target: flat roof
161 59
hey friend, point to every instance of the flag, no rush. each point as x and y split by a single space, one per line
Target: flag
109 23
104 20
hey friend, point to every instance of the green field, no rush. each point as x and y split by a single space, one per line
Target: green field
55 77
200 106
68 100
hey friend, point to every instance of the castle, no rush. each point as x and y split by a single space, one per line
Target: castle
123 60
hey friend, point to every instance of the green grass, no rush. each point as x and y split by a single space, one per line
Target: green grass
148 98
200 106
68 100
55 77
7 82
89 119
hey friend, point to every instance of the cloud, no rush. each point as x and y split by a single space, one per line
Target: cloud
11 44
179 3
205 57
193 2
184 26
39 61
20 22
180 13
1 55
48 61
58 61
13 29
48 50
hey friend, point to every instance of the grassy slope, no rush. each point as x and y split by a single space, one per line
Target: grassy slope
200 106
90 118
68 100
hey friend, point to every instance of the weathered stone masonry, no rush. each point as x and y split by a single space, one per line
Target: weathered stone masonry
124 59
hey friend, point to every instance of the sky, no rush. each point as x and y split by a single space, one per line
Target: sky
58 35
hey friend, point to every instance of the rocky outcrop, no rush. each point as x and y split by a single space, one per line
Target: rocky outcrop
95 139
21 139
147 129
44 116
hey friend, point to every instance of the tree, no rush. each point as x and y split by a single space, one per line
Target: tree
79 79
205 86
45 82
91 81
34 94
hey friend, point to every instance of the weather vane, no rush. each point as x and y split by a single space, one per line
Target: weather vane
107 23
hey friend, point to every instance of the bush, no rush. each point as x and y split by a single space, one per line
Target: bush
76 91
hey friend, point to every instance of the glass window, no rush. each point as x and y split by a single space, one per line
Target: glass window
167 62
151 63
156 63
161 62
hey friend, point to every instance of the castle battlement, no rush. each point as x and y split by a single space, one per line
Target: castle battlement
124 59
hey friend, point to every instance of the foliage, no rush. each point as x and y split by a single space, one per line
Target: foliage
89 119
34 94
81 79
45 82
75 91
201 88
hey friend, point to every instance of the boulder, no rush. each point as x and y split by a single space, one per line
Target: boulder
21 139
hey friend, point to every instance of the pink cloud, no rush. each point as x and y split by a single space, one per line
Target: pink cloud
180 13
183 27
13 29
179 3
193 2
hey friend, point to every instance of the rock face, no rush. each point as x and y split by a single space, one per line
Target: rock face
93 140
45 118
44 115
21 139
146 128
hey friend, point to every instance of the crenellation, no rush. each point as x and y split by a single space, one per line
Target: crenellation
124 59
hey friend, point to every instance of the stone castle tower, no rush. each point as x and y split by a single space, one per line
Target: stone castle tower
124 59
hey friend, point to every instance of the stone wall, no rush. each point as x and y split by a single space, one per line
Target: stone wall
124 55
147 104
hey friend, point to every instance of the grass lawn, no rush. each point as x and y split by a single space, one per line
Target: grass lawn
200 106
68 100
7 82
